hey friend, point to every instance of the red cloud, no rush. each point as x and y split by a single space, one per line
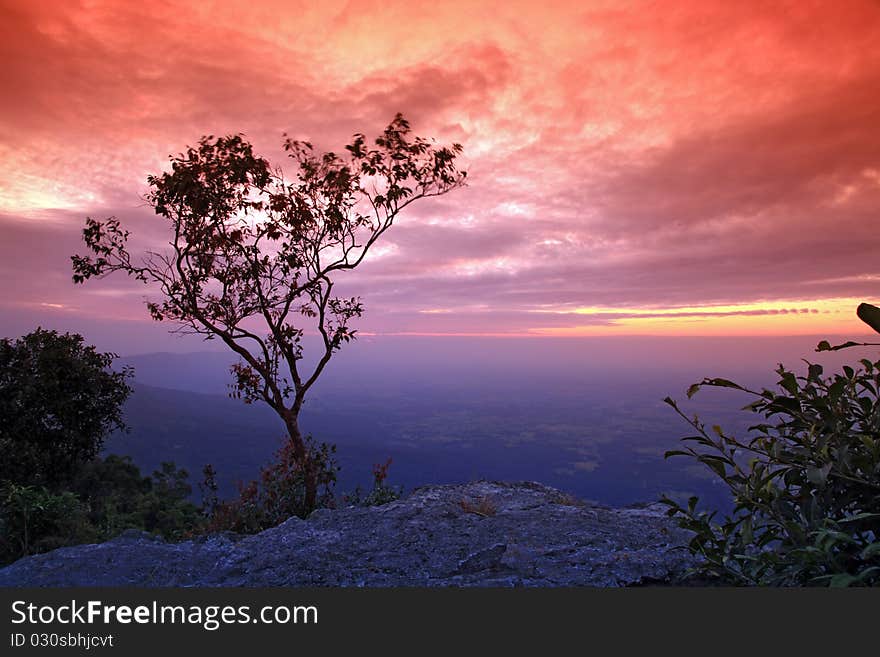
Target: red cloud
628 155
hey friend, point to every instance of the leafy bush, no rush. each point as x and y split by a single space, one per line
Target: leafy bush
118 498
281 491
165 509
34 520
805 483
108 496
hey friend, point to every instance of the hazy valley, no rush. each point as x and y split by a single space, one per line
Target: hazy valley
572 414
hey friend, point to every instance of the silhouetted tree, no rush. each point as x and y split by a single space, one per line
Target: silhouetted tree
253 256
58 400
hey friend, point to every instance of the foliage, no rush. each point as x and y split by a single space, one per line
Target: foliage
279 493
870 315
254 256
118 498
58 399
34 520
381 493
106 497
805 484
210 491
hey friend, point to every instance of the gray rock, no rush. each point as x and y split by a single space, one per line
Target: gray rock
477 534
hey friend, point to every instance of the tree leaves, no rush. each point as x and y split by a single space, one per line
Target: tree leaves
824 345
805 483
58 399
870 315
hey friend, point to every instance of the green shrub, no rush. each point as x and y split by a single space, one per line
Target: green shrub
34 520
805 483
107 497
166 509
118 497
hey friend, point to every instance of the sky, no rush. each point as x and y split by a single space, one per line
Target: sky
635 168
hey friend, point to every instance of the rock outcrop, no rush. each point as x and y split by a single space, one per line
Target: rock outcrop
477 534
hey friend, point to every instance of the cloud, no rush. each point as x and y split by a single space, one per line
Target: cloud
621 156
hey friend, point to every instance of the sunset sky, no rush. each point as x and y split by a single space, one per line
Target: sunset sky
686 168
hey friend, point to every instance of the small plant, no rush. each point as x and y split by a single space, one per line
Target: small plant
484 506
381 492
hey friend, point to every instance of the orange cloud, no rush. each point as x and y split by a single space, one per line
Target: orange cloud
622 155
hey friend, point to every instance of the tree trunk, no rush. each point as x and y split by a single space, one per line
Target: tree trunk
291 422
303 458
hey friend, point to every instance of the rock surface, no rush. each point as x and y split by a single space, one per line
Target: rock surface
477 534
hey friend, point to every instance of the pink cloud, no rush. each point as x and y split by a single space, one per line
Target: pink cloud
622 155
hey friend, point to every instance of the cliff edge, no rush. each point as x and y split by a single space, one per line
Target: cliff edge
475 534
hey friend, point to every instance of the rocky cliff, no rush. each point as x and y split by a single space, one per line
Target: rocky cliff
477 534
